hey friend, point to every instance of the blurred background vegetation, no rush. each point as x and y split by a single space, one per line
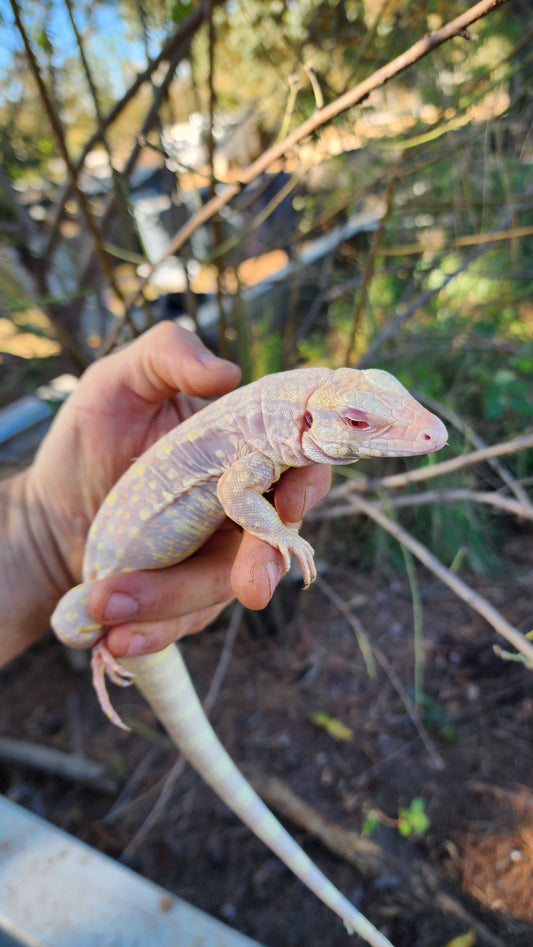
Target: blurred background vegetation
396 234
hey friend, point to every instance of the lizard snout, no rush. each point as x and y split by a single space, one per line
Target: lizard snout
433 433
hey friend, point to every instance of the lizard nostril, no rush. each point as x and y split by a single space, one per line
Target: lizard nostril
427 437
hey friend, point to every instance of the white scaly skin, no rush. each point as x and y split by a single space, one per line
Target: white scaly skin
220 462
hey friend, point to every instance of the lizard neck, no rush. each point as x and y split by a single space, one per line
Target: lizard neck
275 420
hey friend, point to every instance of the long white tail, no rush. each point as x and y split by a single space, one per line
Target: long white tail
164 681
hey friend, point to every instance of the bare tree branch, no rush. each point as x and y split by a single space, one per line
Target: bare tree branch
150 120
460 495
320 117
59 135
174 50
474 438
393 481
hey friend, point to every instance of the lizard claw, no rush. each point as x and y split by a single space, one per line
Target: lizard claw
305 555
306 561
103 663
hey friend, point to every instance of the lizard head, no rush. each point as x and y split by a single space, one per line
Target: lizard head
367 413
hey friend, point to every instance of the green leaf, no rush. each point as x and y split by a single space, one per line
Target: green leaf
413 819
180 10
335 728
463 940
370 824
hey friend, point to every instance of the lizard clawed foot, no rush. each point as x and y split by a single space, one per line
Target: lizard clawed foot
103 663
305 555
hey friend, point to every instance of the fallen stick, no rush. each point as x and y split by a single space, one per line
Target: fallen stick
77 769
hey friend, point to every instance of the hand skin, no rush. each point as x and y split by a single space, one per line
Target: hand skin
124 403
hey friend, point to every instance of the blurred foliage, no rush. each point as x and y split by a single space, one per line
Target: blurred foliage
453 132
411 820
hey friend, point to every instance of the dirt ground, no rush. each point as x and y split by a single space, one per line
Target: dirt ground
472 762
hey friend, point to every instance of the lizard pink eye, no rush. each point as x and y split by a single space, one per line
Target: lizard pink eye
356 419
308 420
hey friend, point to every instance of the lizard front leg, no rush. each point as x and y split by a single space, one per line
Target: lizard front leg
240 491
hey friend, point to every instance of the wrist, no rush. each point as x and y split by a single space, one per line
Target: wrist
32 574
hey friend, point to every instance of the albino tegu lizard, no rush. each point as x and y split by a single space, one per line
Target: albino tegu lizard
218 463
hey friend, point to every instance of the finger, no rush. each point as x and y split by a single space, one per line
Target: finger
258 567
256 572
299 489
162 595
134 638
163 360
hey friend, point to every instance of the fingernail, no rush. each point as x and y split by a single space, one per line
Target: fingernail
136 646
273 574
309 499
120 606
210 360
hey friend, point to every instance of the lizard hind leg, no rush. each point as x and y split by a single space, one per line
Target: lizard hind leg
103 663
74 627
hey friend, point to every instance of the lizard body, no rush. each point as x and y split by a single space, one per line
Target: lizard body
220 462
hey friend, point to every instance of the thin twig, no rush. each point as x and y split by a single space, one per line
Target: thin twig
216 222
127 221
394 324
390 671
371 651
430 497
375 244
355 624
393 481
180 40
477 441
460 495
59 135
150 120
467 240
45 759
460 588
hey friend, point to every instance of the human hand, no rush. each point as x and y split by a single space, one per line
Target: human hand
123 403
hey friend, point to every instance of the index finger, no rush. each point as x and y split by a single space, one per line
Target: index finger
165 359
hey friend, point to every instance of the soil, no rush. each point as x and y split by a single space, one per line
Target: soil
298 658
